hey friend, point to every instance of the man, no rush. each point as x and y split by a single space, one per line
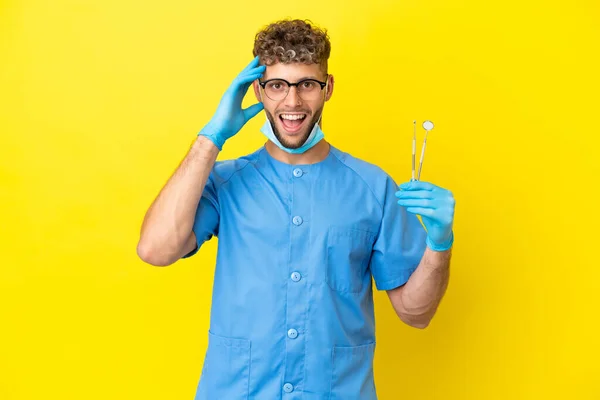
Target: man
303 229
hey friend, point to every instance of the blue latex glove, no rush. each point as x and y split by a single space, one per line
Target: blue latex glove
436 208
230 117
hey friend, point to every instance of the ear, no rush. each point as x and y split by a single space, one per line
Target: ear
329 93
257 92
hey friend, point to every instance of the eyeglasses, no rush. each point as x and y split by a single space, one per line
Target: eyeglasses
307 89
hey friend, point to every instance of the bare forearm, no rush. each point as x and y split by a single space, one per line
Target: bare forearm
420 297
169 220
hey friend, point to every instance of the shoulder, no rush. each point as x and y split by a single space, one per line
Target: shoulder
371 174
224 170
373 178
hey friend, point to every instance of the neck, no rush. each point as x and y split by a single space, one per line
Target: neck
315 154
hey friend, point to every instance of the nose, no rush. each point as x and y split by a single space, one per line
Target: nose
292 99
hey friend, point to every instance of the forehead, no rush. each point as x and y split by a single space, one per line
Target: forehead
293 71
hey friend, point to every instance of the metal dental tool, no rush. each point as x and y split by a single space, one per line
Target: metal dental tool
427 125
414 148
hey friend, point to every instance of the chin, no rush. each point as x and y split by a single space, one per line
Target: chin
292 136
293 141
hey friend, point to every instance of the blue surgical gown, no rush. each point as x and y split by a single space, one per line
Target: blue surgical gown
299 246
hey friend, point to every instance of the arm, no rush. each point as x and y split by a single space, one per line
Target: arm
167 230
166 233
417 301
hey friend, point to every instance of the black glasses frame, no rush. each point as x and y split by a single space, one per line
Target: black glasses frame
263 84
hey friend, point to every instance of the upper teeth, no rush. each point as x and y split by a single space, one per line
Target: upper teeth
293 116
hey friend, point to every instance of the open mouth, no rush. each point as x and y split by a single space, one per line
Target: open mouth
292 122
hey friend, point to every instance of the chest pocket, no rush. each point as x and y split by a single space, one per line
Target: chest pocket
348 255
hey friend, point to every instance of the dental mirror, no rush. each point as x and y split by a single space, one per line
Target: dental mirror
428 125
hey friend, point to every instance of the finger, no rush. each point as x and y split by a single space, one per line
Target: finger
417 203
256 70
260 68
239 87
426 212
416 194
417 185
251 111
246 79
251 65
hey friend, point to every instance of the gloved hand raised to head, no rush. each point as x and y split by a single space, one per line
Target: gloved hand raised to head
230 117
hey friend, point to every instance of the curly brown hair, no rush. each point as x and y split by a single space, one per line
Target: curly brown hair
288 41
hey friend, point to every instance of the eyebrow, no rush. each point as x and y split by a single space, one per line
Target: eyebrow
301 79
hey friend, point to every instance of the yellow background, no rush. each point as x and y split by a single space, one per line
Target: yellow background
99 101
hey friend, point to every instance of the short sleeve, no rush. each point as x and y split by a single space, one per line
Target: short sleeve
206 221
399 245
